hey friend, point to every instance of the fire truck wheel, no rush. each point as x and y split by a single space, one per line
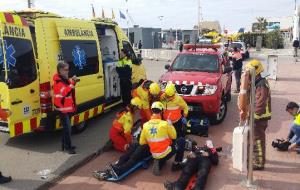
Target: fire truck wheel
219 117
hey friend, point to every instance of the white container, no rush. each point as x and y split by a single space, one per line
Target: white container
240 148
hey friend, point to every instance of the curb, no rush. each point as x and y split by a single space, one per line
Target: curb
70 170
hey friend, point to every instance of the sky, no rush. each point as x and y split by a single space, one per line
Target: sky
176 14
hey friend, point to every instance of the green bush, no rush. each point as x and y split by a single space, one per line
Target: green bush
271 39
274 39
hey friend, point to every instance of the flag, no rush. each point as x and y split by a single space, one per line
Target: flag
122 15
103 15
112 14
93 11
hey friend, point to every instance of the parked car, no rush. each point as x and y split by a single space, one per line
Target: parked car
202 76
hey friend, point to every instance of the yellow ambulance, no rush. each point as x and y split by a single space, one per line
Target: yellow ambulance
32 43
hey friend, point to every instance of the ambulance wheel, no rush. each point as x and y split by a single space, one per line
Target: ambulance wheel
79 128
219 117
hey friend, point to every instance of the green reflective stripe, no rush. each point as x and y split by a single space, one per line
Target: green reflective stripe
297 119
123 62
265 115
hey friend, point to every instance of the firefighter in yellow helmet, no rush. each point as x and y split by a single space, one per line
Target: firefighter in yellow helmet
262 114
120 132
147 91
176 109
161 137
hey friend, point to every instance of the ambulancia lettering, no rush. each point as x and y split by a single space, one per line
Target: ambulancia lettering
14 31
78 32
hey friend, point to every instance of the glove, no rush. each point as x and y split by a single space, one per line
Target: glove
184 121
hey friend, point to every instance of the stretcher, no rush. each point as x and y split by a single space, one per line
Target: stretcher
141 164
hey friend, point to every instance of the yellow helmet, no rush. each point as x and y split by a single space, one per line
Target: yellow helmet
136 102
255 64
154 89
170 90
157 105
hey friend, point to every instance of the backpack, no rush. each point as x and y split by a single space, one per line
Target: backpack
197 126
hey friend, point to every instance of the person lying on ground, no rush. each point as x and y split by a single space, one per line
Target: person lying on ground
199 162
134 154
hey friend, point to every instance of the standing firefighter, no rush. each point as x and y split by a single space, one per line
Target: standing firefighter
124 70
120 132
176 109
262 114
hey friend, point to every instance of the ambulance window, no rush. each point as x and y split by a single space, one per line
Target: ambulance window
82 56
20 62
33 36
127 46
2 73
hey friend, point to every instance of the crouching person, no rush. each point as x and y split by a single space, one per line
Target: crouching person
294 135
161 136
134 154
120 132
198 163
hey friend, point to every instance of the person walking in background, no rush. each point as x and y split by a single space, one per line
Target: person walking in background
124 70
64 102
237 63
296 47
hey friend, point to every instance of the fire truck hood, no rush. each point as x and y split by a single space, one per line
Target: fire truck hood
191 77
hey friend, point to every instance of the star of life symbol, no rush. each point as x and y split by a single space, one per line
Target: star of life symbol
79 57
10 59
153 130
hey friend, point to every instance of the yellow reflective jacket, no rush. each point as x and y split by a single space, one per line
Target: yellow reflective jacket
138 73
174 107
143 94
158 134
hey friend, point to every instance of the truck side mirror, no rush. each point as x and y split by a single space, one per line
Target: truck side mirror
167 67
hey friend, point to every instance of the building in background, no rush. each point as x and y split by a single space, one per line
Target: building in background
150 37
172 37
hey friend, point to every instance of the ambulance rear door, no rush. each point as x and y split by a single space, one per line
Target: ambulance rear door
19 82
80 49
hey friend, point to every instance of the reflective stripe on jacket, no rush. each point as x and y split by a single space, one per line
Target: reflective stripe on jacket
64 94
123 124
158 134
174 107
263 100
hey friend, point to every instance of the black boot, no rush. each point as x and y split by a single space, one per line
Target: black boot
4 179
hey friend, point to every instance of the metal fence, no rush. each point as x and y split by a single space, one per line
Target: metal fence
159 54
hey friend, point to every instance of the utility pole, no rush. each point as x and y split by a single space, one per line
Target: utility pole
199 8
30 3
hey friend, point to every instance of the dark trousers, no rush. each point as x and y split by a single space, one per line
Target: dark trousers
179 128
135 154
126 87
237 75
177 150
199 166
259 149
66 125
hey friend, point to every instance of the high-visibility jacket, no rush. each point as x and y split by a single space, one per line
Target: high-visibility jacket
143 94
138 73
297 118
64 94
124 68
158 134
174 108
262 100
123 125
